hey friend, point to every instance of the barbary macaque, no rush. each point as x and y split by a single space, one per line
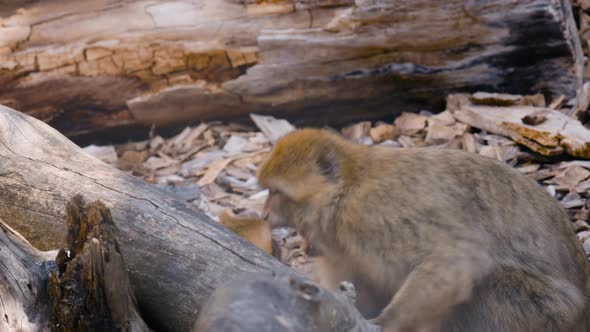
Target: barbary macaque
433 239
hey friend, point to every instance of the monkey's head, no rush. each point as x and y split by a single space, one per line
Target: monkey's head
306 173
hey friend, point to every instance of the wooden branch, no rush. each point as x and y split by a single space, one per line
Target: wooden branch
175 255
316 61
24 305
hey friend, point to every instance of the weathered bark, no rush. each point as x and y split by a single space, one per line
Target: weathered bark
85 66
91 290
24 272
175 255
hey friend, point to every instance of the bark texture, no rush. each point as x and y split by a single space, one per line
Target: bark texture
175 255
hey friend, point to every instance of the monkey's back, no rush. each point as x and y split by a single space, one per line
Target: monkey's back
433 199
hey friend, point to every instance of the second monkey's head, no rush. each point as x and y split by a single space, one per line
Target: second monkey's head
306 173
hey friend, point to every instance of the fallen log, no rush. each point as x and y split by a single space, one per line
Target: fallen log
326 61
175 255
89 289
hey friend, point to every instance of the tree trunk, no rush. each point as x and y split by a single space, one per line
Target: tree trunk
174 254
86 66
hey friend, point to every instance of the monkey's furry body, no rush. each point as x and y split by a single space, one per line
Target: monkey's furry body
434 239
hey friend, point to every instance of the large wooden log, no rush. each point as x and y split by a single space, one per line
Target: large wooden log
86 66
175 255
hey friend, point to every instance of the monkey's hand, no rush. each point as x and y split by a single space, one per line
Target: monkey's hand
432 289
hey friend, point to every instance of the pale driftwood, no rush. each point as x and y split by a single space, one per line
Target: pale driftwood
24 272
554 134
99 64
174 254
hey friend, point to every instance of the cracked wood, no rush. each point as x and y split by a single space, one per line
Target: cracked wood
167 245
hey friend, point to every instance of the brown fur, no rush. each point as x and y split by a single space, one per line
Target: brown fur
435 239
251 228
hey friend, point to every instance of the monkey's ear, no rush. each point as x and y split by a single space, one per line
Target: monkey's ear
329 166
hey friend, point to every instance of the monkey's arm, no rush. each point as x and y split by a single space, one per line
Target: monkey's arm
431 289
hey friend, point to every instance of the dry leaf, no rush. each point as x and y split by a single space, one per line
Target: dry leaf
439 134
271 127
528 168
468 143
106 154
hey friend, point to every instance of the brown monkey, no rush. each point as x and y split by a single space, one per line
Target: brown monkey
251 228
434 239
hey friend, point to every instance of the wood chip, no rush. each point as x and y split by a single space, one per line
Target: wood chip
156 143
490 151
382 132
571 177
582 102
503 99
572 200
133 157
581 163
234 145
105 153
528 168
410 123
583 187
271 127
155 163
445 118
